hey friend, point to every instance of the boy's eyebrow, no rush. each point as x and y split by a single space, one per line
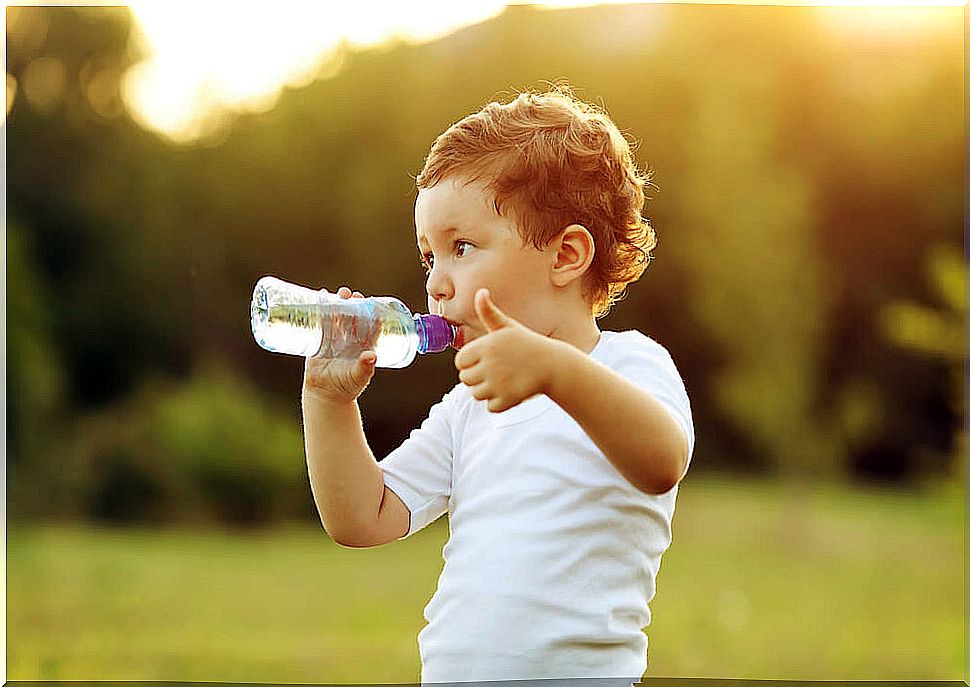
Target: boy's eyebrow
445 232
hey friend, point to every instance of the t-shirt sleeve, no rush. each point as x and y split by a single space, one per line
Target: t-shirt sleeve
419 470
648 364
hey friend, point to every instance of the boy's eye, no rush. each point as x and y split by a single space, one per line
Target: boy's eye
461 248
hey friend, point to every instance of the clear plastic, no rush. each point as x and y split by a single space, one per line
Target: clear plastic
292 319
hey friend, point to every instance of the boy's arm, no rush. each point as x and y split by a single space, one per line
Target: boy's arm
632 429
355 507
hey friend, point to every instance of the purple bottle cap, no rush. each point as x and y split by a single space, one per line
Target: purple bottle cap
435 333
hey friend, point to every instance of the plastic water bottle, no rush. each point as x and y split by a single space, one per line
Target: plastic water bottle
287 318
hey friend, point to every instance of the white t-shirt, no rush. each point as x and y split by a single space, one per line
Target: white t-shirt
553 554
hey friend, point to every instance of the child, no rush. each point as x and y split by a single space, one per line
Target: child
557 456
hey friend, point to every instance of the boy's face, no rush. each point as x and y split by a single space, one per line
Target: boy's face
467 246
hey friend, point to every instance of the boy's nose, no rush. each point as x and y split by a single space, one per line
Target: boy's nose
439 289
436 304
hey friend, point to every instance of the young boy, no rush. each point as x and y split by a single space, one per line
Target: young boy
557 456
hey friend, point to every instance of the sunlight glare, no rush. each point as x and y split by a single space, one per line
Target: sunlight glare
886 23
210 60
559 4
204 63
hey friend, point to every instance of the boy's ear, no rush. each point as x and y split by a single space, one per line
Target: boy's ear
575 249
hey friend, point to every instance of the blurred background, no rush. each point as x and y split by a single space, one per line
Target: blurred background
809 283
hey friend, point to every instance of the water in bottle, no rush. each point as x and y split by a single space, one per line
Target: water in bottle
292 319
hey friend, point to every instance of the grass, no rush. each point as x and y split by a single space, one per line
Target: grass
762 581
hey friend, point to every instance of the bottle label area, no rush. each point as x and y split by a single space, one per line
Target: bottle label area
292 319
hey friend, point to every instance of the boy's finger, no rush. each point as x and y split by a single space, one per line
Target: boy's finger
470 377
481 392
498 405
466 357
489 313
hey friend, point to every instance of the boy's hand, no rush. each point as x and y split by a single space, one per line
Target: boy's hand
509 364
339 381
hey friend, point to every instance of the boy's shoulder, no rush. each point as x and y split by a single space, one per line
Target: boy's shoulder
635 355
630 341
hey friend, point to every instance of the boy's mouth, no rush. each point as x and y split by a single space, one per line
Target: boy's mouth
459 338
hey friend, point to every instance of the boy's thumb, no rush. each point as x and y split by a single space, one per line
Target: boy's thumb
366 363
488 312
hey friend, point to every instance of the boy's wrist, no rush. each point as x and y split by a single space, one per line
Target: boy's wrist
560 364
322 399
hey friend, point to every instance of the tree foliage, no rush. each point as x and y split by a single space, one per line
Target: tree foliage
805 173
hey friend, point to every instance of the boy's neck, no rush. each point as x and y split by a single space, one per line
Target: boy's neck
579 332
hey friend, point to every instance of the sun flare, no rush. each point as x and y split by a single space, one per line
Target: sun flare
211 59
219 58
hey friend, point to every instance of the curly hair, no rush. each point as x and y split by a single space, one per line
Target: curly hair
554 160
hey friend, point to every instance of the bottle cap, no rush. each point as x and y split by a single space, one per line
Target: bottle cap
435 333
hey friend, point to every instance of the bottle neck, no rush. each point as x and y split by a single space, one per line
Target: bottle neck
435 333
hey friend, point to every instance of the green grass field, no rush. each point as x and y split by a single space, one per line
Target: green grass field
762 581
